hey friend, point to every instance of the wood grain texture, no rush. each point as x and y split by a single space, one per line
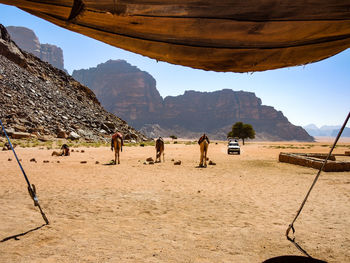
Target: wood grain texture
239 36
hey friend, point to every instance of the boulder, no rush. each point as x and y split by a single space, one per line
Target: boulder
43 138
20 128
211 163
73 136
110 125
10 131
21 135
62 134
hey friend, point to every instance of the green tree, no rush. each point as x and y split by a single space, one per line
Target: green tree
242 131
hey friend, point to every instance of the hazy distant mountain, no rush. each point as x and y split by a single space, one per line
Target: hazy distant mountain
310 127
326 130
346 132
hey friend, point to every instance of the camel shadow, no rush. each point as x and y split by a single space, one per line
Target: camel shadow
15 237
112 162
293 259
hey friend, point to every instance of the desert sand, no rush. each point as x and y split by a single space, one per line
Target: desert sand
235 211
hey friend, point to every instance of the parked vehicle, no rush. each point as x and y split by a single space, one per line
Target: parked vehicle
233 147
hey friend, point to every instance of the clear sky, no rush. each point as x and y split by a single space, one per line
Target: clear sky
317 93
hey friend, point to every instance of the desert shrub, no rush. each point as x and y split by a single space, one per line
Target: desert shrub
173 137
190 142
130 144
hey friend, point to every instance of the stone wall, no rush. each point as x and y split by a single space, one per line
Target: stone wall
315 161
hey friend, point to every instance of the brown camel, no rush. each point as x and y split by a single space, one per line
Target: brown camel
159 149
64 151
203 145
117 144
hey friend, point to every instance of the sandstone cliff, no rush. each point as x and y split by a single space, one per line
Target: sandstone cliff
215 112
39 100
124 90
131 93
26 39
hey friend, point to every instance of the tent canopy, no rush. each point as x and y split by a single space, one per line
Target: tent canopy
221 35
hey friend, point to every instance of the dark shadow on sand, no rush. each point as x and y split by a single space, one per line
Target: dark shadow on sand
293 259
110 163
15 237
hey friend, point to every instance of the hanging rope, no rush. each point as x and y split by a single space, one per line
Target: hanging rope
31 188
291 226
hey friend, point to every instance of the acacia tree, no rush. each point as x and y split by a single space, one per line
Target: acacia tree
242 131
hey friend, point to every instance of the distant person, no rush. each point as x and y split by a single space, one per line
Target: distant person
203 146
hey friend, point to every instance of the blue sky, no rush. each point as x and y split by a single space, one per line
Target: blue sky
317 93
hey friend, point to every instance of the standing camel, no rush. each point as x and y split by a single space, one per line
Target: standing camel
117 144
159 149
203 145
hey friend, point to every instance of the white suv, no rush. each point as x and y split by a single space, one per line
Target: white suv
233 147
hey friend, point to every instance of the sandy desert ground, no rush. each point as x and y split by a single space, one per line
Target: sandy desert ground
236 211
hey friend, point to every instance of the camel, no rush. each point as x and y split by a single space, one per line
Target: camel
203 144
159 149
64 151
117 144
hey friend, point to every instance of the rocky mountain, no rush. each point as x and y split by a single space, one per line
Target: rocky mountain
26 39
39 100
326 130
124 90
215 112
132 94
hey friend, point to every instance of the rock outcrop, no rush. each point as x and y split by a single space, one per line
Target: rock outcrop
131 93
26 39
39 100
124 90
215 112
